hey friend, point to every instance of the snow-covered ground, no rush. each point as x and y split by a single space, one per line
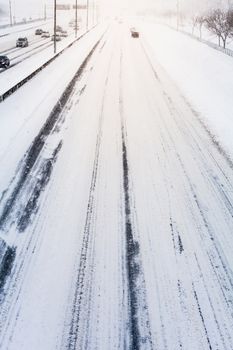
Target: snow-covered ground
5 31
117 201
203 74
24 61
186 26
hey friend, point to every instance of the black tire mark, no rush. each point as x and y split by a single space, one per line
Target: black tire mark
43 178
83 285
7 257
46 45
202 317
135 276
33 152
212 306
82 289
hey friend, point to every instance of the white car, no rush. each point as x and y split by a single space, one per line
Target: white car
58 37
45 35
64 34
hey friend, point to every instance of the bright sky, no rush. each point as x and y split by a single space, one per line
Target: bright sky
36 7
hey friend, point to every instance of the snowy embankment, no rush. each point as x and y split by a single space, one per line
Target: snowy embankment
20 71
20 27
26 111
203 74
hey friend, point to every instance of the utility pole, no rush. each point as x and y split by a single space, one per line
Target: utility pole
45 12
93 13
178 13
11 21
87 20
54 26
76 18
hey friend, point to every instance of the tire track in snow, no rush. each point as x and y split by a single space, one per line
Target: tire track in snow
78 335
14 49
138 318
32 155
217 266
33 51
216 259
9 299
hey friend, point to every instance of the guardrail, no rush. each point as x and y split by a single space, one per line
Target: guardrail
8 25
227 51
44 65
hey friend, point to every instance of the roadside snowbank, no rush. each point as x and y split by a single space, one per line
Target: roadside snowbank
203 74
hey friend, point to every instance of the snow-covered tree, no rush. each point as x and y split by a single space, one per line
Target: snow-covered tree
220 22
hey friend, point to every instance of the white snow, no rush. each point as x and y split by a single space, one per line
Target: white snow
178 189
203 74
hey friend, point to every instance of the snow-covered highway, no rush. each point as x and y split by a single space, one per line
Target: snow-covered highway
117 205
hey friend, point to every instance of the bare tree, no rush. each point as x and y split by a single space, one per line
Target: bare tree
200 22
220 22
194 21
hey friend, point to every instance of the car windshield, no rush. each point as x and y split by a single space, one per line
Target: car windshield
22 39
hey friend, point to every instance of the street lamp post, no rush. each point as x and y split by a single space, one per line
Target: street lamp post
11 22
93 13
87 20
54 26
178 13
76 18
45 12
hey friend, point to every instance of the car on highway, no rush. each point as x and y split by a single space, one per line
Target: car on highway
4 62
134 32
45 35
38 31
22 42
59 29
58 37
64 34
72 23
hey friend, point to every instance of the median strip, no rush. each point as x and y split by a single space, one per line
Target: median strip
34 73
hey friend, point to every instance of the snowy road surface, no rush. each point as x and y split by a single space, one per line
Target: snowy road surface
120 216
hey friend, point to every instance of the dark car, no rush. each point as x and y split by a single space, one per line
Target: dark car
64 34
58 37
59 29
134 33
38 31
22 42
45 35
4 62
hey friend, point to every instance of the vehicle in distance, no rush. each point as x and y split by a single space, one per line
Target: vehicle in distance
59 29
64 34
58 37
72 22
134 33
22 42
4 62
38 31
45 35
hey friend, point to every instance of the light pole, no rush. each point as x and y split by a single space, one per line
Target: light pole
54 26
87 20
45 12
11 22
76 18
93 13
178 13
